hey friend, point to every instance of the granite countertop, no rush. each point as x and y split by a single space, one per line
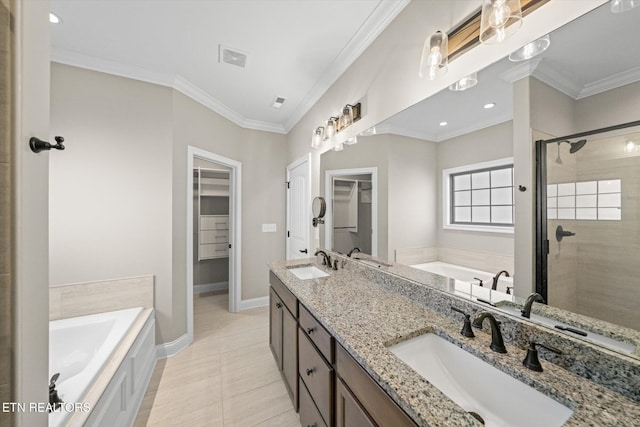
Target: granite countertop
365 319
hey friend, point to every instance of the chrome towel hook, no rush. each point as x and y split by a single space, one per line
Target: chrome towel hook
38 145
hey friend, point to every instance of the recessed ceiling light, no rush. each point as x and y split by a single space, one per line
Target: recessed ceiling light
489 105
54 19
443 123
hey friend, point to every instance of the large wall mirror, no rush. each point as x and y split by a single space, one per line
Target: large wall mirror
445 186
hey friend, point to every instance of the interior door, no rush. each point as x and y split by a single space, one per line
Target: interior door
298 209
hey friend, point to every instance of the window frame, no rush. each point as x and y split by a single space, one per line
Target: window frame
447 207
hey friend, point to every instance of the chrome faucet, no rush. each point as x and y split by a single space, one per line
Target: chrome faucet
497 344
534 297
356 249
494 286
326 259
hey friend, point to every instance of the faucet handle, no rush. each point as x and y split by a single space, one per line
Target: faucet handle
531 360
466 331
480 281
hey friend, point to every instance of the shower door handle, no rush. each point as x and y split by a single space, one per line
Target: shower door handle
560 233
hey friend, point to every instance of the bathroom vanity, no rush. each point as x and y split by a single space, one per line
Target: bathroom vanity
347 375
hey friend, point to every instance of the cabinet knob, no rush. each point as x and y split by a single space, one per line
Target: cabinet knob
310 371
278 305
310 330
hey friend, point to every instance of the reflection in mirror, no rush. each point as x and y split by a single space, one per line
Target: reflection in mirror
565 90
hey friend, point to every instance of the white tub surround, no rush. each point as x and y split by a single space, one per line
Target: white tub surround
105 362
466 281
80 299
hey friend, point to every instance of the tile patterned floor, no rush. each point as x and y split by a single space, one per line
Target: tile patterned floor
227 377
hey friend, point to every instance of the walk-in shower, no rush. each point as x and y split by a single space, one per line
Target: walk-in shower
594 197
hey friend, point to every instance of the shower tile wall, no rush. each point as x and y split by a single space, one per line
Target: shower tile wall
5 212
596 272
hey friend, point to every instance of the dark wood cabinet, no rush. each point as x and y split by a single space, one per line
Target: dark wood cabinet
317 375
349 413
283 335
368 394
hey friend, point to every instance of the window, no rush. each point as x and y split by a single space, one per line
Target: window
586 200
479 197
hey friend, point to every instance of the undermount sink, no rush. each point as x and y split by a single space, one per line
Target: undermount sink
478 387
307 272
573 331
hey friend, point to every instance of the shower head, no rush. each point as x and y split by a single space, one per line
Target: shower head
575 146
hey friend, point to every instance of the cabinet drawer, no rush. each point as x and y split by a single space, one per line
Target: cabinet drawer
372 398
309 415
316 375
318 334
214 250
214 222
214 236
284 293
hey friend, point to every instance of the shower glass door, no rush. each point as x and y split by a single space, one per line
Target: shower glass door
588 220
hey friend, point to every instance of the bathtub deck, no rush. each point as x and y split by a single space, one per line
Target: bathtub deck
227 377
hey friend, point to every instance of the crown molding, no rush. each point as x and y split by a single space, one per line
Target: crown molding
389 128
611 82
520 71
558 81
380 18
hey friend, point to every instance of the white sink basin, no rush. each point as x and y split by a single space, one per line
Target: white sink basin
308 272
598 339
478 387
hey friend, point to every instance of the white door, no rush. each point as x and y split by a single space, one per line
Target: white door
298 208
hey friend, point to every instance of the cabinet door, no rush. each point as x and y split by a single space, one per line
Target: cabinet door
349 413
275 327
290 354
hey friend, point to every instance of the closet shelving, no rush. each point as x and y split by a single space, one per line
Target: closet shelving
213 223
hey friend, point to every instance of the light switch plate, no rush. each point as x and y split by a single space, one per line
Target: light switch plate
268 228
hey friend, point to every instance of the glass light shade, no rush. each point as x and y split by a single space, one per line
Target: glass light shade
331 128
435 56
618 6
346 119
318 134
530 50
352 140
338 147
499 20
465 83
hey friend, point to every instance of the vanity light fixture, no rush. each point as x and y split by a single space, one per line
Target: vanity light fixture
530 50
465 83
618 6
54 19
435 56
489 105
499 20
317 138
331 129
346 118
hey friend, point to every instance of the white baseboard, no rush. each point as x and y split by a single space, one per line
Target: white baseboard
172 348
210 287
248 304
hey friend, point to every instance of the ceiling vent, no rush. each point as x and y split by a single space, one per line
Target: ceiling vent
277 102
232 56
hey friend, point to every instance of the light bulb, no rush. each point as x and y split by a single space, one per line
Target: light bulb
499 14
331 128
316 140
499 20
434 56
346 118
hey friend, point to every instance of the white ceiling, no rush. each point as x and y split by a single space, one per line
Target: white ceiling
597 52
296 48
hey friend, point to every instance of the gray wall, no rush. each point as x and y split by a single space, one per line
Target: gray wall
118 192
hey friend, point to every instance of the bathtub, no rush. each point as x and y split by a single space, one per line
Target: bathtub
79 348
466 281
